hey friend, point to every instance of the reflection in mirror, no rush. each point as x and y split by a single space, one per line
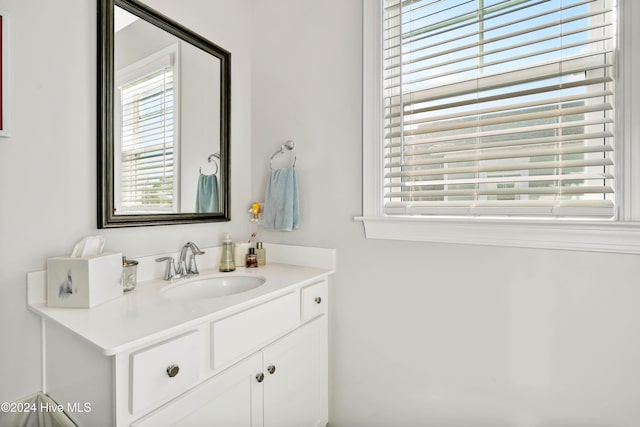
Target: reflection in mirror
165 159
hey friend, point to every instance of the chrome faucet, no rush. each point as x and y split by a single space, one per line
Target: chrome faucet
182 270
190 268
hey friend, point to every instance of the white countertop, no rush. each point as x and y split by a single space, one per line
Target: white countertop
144 314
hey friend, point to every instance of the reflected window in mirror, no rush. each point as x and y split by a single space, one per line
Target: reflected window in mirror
147 143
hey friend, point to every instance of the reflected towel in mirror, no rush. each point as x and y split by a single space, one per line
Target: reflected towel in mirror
207 196
281 212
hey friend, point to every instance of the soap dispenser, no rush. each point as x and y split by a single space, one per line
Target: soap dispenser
226 259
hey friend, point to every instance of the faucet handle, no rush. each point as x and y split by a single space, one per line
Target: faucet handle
170 272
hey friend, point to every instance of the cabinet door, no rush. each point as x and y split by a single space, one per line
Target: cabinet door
232 398
295 384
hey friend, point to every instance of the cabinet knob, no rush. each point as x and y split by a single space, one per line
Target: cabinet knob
173 370
318 300
271 369
260 377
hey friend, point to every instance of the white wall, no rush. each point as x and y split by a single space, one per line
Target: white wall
48 165
433 334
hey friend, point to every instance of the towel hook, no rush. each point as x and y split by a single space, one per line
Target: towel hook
287 146
210 160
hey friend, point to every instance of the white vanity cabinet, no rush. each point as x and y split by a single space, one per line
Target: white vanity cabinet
262 365
284 385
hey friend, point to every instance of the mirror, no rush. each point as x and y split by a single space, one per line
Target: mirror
163 120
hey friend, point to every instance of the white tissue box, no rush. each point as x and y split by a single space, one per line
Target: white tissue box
84 282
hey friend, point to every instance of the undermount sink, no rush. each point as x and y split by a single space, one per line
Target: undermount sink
212 287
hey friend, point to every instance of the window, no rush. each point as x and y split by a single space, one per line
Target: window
498 107
492 122
147 147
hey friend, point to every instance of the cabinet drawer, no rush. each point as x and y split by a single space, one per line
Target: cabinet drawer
238 335
314 300
163 370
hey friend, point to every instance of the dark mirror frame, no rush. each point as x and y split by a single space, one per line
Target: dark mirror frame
106 216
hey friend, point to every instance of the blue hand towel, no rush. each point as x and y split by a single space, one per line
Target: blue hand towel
207 196
281 211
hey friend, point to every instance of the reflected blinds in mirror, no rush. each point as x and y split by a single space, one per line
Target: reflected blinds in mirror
499 107
148 146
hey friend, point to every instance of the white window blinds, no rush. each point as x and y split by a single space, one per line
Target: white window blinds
147 168
498 107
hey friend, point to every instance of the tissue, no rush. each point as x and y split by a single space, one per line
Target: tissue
89 246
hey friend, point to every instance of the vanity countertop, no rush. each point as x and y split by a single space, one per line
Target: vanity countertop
145 314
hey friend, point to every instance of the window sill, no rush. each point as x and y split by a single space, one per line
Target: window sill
590 236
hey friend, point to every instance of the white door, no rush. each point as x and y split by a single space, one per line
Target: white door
232 398
295 384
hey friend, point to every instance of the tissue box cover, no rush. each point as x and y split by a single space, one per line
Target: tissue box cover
84 282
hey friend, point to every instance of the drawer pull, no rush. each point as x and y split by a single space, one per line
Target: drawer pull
173 370
271 369
260 377
318 300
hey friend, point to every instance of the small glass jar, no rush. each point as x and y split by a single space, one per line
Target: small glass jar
252 259
129 274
